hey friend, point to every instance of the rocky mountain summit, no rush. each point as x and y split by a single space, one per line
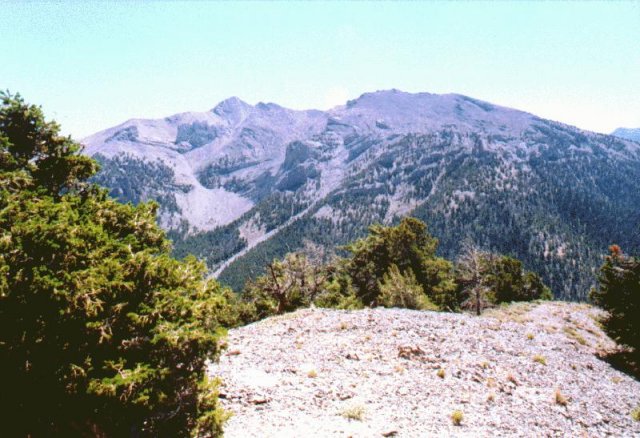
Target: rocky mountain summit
524 370
236 153
242 184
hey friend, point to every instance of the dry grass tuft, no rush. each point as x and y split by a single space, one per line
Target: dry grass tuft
354 412
457 417
573 334
560 398
540 359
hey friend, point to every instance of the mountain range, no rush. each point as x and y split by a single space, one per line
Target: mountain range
627 133
242 184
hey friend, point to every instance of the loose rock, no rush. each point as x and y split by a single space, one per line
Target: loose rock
384 365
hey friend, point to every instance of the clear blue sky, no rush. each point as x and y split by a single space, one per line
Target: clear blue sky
94 65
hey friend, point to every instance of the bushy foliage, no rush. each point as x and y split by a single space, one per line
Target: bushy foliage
288 285
299 280
337 291
102 333
408 246
619 294
32 153
391 267
402 290
485 279
509 281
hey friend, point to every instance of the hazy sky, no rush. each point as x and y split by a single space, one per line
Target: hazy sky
94 65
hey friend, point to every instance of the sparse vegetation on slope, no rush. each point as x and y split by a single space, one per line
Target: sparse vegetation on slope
387 361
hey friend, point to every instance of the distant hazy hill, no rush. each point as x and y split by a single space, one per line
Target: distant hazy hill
241 184
628 133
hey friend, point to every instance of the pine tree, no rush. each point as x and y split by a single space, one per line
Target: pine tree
408 246
102 333
619 294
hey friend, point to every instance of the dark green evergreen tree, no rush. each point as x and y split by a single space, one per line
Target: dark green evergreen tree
102 333
509 281
619 294
407 246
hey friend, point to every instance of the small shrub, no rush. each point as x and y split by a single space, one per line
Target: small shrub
635 414
312 374
441 373
491 397
354 412
457 417
540 359
337 297
530 336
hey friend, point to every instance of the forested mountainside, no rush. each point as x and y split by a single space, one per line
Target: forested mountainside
628 133
242 184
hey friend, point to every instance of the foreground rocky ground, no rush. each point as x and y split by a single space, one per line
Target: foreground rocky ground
522 370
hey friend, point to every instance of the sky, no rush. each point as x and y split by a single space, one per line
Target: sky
92 65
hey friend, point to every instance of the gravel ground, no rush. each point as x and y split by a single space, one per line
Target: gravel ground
522 370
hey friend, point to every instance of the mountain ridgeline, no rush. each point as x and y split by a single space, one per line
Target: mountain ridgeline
627 133
240 185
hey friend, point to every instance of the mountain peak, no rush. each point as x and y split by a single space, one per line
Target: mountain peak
381 95
233 108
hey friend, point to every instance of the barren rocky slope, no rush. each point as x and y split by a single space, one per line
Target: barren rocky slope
523 370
